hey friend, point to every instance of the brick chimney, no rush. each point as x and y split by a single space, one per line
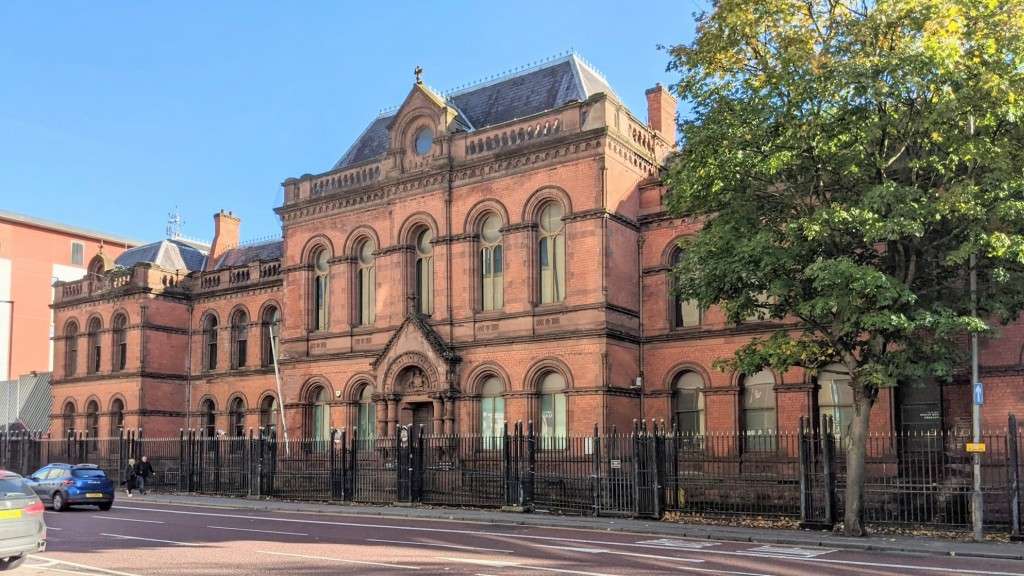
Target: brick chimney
225 236
661 112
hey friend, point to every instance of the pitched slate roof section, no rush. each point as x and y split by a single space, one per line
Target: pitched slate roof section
243 255
533 91
171 254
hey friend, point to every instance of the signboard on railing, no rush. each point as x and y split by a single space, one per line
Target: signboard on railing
973 447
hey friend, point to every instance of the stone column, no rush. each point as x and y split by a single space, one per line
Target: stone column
449 415
382 417
438 415
392 413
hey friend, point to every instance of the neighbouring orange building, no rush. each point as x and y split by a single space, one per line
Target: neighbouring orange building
495 254
34 253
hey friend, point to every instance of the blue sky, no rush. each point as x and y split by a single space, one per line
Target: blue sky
112 114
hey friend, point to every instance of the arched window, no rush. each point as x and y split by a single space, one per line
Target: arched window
424 271
552 411
551 253
239 338
210 342
71 348
116 417
367 413
686 313
92 422
318 416
759 418
209 415
237 417
366 283
268 414
835 397
492 412
320 289
688 404
68 419
95 347
119 340
492 264
269 331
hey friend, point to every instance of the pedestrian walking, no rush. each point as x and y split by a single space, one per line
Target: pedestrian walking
130 476
142 473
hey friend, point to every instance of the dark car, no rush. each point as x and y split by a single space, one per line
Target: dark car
64 485
22 530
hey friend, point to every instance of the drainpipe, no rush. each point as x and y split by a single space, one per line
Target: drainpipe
188 369
640 323
10 339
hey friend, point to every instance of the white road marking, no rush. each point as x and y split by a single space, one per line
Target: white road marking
53 528
680 544
49 568
438 545
260 531
332 559
86 566
498 564
791 551
151 539
570 548
577 540
122 519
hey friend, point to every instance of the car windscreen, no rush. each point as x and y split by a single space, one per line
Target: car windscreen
13 487
87 473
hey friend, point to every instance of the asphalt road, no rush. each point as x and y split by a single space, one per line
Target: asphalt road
143 539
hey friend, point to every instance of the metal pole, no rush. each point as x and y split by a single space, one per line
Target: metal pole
280 396
976 498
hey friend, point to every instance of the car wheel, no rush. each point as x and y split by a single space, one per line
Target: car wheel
12 562
105 506
58 502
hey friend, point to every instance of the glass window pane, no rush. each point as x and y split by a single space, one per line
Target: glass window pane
496 257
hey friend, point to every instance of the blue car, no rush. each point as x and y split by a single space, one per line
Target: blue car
65 485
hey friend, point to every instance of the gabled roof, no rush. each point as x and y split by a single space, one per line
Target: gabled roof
171 254
518 95
242 255
415 321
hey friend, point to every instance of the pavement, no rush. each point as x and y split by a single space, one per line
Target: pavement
180 535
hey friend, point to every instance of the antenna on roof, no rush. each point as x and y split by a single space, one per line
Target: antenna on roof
174 223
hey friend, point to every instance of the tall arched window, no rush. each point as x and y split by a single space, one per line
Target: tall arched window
492 265
237 417
759 417
71 348
318 416
835 397
320 288
68 419
688 404
239 339
210 342
424 271
95 346
119 340
685 313
209 414
116 417
492 412
268 414
367 413
553 411
366 283
270 326
92 422
551 253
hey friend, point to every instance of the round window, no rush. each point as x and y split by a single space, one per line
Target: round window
366 252
491 231
424 140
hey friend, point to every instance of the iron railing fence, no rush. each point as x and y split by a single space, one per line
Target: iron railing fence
911 478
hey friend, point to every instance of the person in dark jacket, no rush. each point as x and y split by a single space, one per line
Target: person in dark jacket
143 471
130 476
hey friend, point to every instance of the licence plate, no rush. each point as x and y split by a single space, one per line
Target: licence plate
94 495
10 514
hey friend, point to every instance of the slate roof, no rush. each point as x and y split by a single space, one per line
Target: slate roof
172 254
242 255
533 91
26 402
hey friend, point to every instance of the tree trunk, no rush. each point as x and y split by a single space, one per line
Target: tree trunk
853 519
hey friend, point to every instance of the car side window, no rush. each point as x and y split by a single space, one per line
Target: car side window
54 474
41 473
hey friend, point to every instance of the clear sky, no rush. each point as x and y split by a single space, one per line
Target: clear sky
112 114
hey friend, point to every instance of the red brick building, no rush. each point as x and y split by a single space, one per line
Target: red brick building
496 254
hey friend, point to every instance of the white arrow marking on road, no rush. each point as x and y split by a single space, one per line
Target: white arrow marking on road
682 544
86 566
791 551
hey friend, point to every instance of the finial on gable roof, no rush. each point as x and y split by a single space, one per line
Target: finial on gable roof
418 71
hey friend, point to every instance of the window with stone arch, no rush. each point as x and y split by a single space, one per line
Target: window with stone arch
688 404
492 412
239 339
492 264
318 415
835 398
366 419
210 342
366 283
553 411
70 348
92 423
269 414
551 252
423 270
270 329
685 313
119 342
116 417
68 419
236 417
320 288
759 412
208 412
94 344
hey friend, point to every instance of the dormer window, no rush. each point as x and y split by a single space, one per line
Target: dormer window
423 141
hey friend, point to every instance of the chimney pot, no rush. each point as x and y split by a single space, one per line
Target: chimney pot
661 112
225 236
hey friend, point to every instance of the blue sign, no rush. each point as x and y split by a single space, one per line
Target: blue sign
979 394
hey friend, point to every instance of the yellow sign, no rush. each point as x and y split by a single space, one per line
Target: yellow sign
979 447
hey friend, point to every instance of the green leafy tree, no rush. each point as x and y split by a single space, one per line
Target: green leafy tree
847 158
